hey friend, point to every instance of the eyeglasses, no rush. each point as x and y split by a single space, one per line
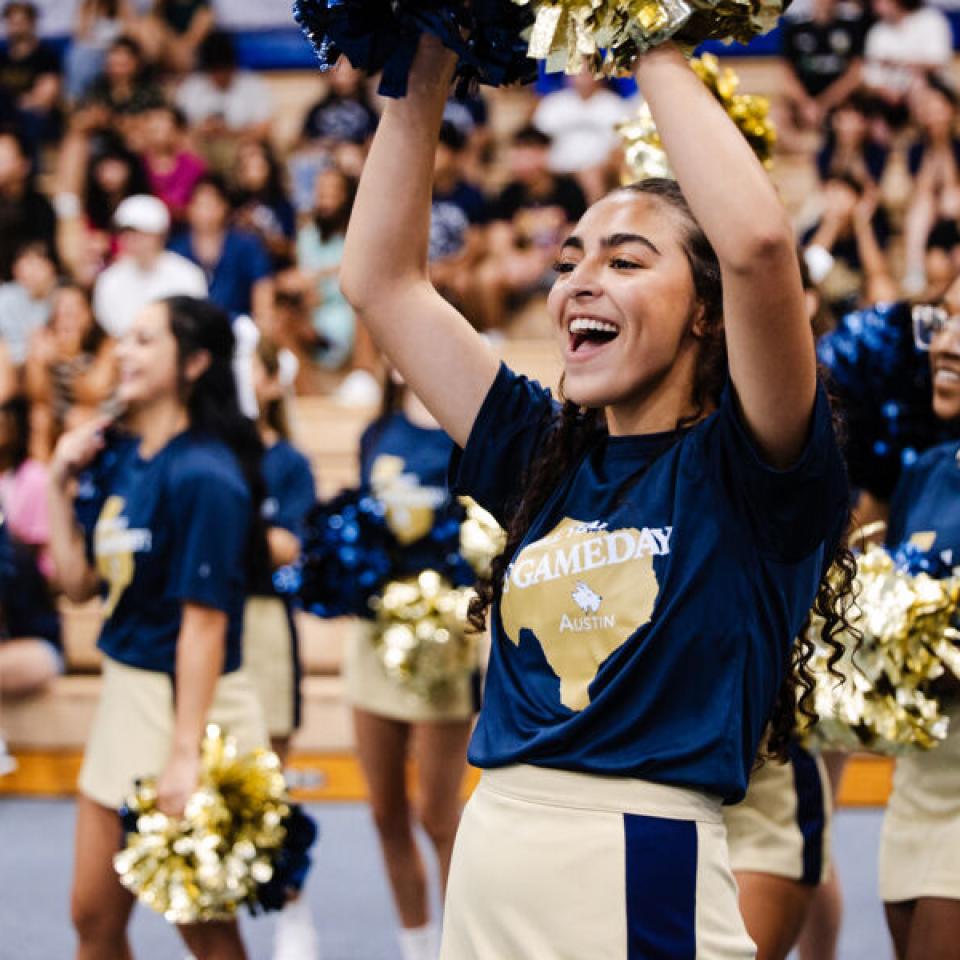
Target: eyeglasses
930 320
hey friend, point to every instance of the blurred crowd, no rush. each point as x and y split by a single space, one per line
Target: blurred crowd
143 160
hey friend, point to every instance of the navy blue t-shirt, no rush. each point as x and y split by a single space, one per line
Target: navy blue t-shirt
925 510
647 620
164 532
406 468
243 262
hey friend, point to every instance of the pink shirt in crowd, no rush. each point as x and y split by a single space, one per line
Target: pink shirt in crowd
23 498
174 186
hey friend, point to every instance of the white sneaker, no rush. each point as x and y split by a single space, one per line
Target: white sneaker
359 388
296 937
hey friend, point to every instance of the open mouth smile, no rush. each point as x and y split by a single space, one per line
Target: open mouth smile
587 335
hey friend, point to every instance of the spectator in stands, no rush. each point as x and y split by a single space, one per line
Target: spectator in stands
126 85
223 104
931 233
144 271
174 31
822 50
844 251
908 41
467 111
25 303
98 23
849 146
319 251
113 174
533 213
173 169
580 120
237 267
260 200
30 74
71 370
25 214
344 112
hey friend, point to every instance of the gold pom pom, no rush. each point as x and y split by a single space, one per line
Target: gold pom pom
422 636
481 537
888 700
207 863
644 156
607 36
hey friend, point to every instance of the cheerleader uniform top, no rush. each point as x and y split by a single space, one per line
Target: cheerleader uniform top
290 493
925 511
162 532
406 468
647 618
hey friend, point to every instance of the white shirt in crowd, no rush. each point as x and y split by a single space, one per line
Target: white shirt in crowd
123 289
246 101
582 131
922 37
20 316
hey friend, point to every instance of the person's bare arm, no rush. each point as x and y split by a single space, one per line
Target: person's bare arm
769 340
200 651
384 270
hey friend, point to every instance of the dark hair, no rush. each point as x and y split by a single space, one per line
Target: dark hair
217 51
95 336
131 45
213 409
40 247
576 429
452 137
212 181
530 136
100 206
333 224
273 191
20 140
846 178
276 411
22 6
17 410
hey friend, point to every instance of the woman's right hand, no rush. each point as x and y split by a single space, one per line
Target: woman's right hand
76 449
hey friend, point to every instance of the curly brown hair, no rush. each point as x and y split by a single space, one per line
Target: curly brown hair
575 429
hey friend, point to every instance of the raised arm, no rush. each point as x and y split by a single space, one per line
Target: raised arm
384 272
769 340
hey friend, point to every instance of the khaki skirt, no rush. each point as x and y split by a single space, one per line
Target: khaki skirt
369 687
555 865
133 727
270 660
782 826
920 840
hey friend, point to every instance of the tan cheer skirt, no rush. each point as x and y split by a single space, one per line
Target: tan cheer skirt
554 865
920 840
368 686
133 727
782 826
269 659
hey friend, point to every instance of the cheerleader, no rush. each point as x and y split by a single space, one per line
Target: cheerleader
920 841
668 530
161 524
403 459
271 655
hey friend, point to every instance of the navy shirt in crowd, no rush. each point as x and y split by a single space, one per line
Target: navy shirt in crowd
243 262
162 532
647 619
925 510
821 53
290 486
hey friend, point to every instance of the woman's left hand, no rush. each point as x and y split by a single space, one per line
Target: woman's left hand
177 782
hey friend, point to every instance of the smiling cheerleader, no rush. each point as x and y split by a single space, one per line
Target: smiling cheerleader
669 526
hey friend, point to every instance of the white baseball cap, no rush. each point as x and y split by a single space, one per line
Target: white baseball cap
143 213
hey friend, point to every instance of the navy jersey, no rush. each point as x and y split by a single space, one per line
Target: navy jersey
925 510
647 619
288 477
163 532
406 468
